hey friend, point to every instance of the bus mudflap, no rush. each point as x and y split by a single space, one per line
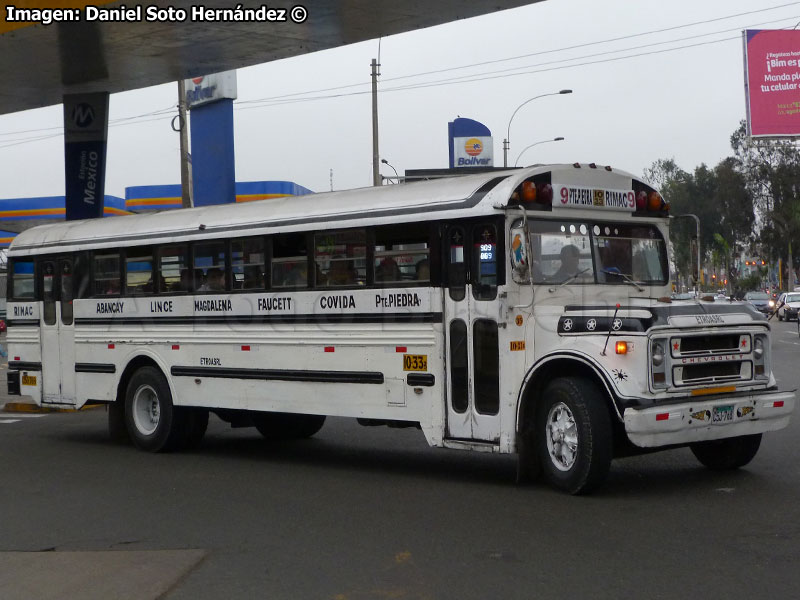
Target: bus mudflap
13 383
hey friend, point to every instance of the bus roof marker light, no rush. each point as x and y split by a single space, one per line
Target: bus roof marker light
577 165
592 165
641 200
528 191
608 167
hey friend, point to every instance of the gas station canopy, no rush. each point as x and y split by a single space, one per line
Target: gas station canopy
40 63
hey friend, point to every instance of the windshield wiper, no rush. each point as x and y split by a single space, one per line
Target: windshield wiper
571 278
626 278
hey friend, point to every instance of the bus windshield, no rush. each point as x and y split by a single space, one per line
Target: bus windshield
607 253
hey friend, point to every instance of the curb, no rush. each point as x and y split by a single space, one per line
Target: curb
27 407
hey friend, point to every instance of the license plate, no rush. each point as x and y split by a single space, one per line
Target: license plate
722 414
415 362
29 380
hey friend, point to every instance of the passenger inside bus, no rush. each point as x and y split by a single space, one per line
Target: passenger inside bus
215 281
387 271
185 284
423 269
342 272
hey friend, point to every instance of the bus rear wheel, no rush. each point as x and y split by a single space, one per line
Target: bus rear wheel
574 437
154 423
727 454
287 426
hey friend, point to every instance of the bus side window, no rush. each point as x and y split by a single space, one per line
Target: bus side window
139 272
247 263
340 258
484 275
402 255
81 270
289 261
457 268
173 265
22 278
209 267
106 274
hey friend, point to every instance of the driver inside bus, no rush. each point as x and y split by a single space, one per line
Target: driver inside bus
569 264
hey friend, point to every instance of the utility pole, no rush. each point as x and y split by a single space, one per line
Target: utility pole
376 176
186 166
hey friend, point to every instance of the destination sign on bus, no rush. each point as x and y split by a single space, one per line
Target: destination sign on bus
582 197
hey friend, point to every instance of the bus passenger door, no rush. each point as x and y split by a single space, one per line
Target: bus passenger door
471 311
57 331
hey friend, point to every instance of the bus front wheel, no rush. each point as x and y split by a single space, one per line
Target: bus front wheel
574 435
154 423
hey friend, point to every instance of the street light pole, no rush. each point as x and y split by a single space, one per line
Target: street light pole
558 139
397 176
507 140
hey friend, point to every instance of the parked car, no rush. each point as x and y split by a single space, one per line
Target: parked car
3 326
788 305
761 301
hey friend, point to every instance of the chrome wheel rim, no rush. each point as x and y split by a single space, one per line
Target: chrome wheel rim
146 410
562 437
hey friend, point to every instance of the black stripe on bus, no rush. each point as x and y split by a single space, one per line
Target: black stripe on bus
95 368
280 374
422 379
22 365
23 323
230 318
469 202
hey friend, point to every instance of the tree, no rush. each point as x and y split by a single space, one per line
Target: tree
719 197
771 169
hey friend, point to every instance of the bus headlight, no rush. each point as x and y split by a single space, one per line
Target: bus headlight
658 354
758 348
658 363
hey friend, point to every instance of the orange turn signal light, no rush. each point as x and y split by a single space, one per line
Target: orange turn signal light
528 191
621 347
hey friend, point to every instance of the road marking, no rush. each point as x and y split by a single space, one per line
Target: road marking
7 421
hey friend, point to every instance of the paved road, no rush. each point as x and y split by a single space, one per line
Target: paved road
369 513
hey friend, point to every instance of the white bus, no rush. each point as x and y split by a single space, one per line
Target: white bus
521 311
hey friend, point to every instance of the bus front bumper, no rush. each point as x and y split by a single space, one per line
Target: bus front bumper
700 420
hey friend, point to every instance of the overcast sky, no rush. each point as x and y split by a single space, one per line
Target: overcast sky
627 112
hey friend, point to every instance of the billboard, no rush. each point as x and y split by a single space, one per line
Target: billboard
210 88
473 151
470 144
772 82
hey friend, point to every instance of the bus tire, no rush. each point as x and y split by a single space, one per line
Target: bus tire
574 435
117 430
154 423
287 426
727 454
